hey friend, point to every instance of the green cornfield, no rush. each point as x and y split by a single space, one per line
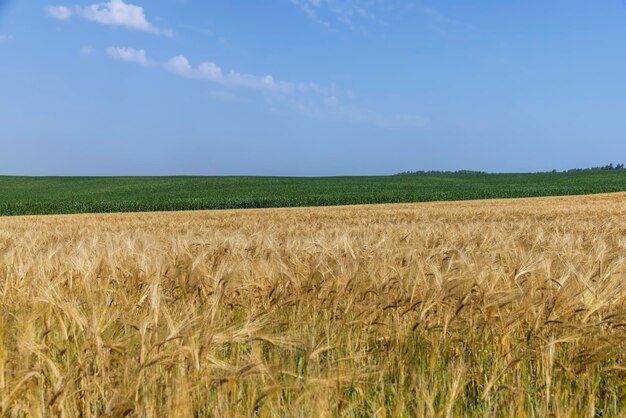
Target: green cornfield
64 195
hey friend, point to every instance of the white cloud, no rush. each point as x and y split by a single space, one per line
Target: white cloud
210 71
206 71
128 54
112 13
306 98
59 12
118 13
5 37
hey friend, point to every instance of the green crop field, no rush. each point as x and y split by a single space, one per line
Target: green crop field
56 195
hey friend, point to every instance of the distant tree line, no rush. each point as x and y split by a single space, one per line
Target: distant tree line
604 167
608 167
441 172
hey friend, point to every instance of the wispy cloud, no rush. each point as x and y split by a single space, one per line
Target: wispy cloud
86 50
206 32
137 56
438 21
59 12
111 13
331 107
227 96
308 99
4 37
346 12
357 13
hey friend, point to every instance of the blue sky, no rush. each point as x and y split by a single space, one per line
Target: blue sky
310 87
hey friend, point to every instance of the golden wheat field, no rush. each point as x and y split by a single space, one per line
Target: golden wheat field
491 308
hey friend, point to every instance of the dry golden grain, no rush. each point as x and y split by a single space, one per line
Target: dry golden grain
482 308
